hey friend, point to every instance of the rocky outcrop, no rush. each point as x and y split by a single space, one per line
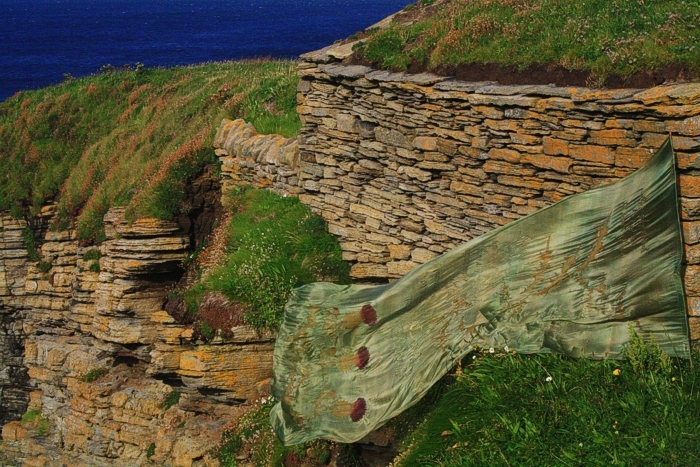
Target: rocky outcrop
85 342
14 262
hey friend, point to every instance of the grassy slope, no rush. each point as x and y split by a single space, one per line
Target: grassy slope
548 410
606 37
131 138
273 245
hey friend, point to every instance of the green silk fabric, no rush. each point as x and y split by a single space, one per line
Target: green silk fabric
570 278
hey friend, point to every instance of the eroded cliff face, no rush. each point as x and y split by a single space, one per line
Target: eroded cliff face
117 379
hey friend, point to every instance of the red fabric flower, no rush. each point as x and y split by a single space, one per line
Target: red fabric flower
369 315
362 357
359 407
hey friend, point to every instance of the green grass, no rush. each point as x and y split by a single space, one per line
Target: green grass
92 256
253 434
131 138
546 410
274 245
30 244
34 419
171 399
93 375
45 266
601 36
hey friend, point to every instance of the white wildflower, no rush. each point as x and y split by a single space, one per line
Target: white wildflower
548 379
492 350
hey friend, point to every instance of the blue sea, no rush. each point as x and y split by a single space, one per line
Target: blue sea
41 40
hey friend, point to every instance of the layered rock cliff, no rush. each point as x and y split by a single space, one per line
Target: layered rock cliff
85 342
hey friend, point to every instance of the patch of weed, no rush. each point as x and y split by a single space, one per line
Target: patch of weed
93 375
170 400
34 419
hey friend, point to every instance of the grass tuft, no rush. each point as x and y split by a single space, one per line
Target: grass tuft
251 436
93 375
170 400
34 419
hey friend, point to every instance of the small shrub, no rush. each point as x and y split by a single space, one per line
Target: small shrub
206 332
45 266
30 244
171 399
34 419
93 254
150 452
647 357
94 266
93 375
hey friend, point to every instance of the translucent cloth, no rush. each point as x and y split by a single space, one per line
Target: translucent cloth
570 278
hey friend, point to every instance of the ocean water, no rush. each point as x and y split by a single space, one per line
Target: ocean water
40 40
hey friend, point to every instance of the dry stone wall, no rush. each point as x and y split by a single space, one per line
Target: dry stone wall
405 167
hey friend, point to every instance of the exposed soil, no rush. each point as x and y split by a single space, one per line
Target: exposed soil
544 74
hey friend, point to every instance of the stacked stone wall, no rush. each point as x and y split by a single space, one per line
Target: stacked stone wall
405 167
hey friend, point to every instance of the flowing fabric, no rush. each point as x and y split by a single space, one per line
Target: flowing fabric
571 278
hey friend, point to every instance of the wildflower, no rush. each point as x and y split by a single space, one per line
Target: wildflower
673 379
548 379
473 357
506 348
492 350
617 372
580 445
